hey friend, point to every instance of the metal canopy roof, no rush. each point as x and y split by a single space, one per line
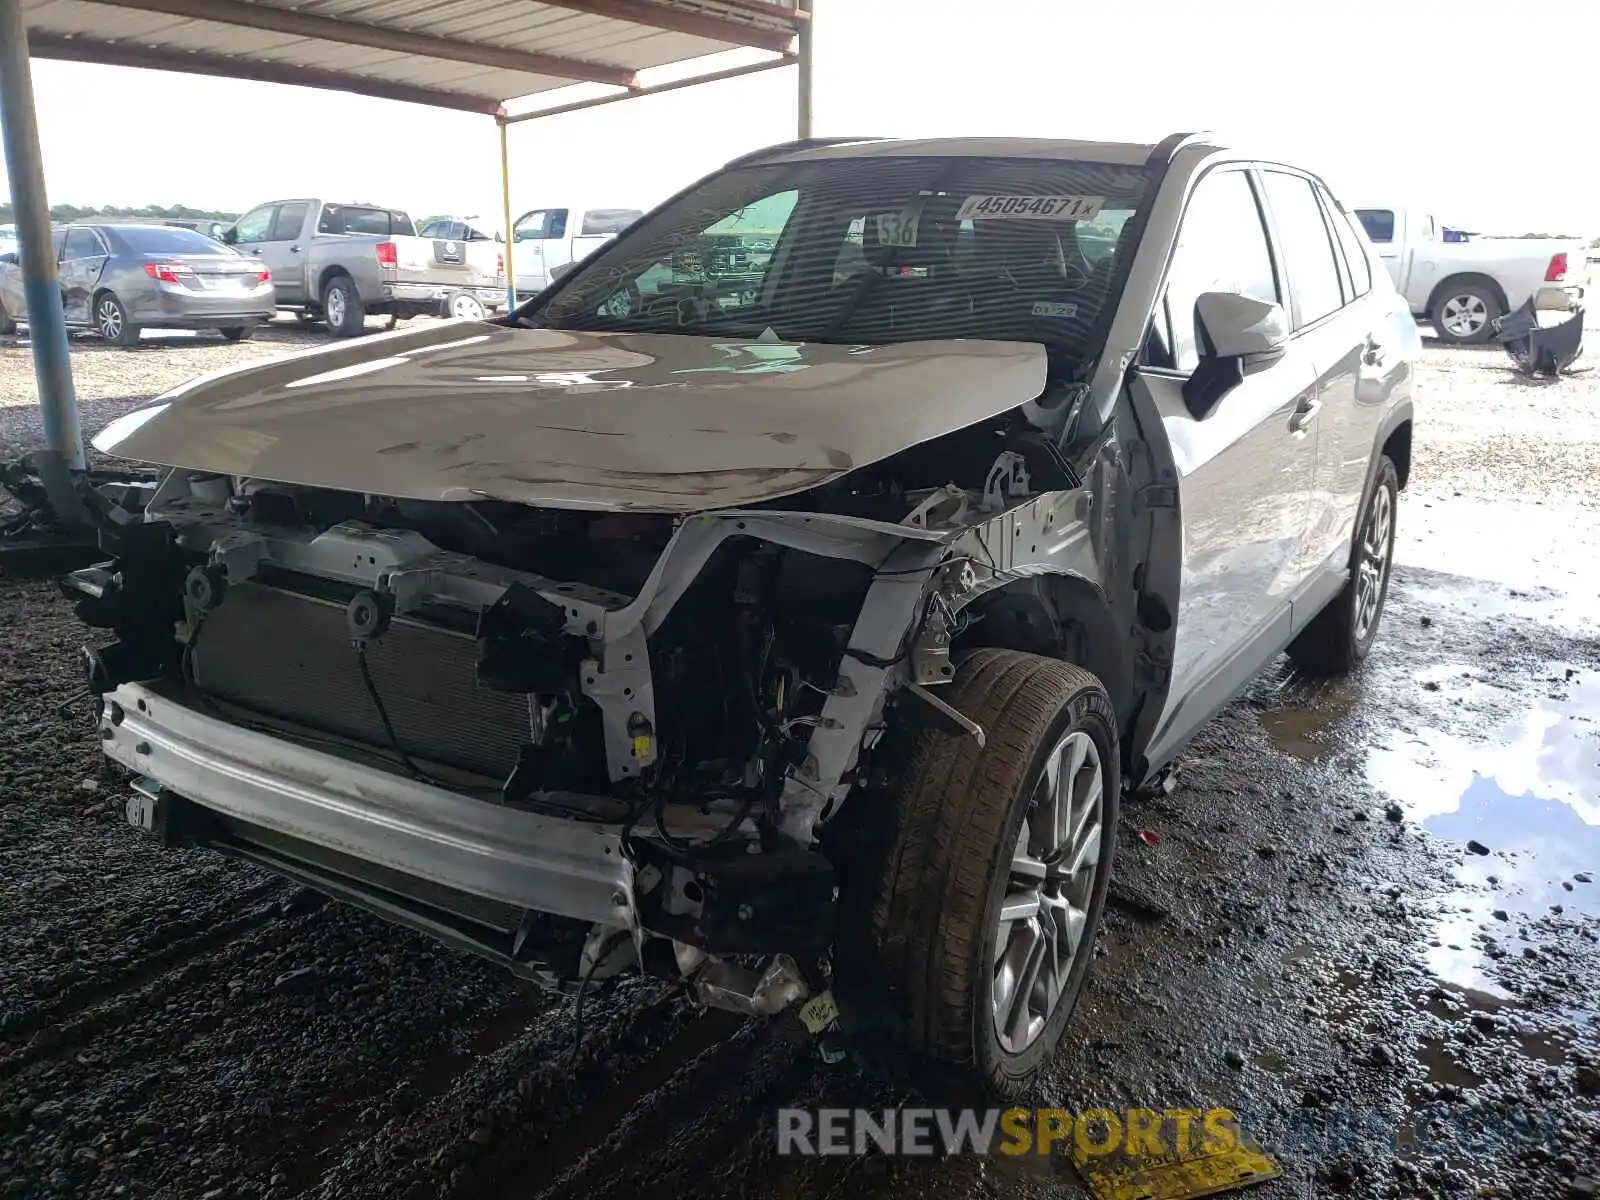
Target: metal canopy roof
472 55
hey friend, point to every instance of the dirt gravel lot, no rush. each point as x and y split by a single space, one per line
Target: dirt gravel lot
1368 921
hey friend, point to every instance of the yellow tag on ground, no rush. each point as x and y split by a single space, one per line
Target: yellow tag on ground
817 1013
1148 1159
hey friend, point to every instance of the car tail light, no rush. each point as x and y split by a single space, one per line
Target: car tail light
388 254
1558 268
166 272
264 275
500 264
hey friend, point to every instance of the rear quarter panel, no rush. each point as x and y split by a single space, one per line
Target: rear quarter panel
354 253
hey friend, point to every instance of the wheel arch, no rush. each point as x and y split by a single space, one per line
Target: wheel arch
1397 445
329 274
1461 279
1060 616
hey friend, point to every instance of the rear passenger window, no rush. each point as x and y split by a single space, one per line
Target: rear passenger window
1222 247
1309 264
81 243
1355 253
290 220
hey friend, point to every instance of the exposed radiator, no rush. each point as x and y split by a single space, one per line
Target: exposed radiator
290 656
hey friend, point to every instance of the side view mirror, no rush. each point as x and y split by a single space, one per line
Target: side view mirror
9 260
230 235
1239 335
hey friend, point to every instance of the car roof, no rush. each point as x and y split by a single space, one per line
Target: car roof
1115 153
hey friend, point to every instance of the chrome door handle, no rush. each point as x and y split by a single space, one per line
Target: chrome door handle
294 249
1305 412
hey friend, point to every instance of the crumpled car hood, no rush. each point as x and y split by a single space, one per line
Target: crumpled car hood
654 422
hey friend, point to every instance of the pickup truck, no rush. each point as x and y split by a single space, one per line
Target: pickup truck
344 262
546 242
1462 286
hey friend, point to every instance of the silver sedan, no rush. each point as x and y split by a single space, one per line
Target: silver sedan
121 279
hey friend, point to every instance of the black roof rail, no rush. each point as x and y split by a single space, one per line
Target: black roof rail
796 144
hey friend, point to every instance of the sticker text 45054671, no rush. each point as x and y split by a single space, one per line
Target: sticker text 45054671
1030 208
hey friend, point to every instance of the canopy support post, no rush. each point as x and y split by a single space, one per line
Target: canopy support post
47 328
803 61
505 215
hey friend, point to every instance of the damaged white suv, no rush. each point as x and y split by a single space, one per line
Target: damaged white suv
783 599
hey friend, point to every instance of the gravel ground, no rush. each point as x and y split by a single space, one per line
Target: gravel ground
1308 934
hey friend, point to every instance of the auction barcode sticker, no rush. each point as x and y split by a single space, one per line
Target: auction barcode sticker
1030 208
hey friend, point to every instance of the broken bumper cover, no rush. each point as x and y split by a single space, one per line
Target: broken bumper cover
302 797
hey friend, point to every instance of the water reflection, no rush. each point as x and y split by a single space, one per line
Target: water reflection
1528 791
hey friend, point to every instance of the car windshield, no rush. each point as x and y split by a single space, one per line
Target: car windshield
163 239
869 251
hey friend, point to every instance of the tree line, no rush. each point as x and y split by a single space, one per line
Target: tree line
150 212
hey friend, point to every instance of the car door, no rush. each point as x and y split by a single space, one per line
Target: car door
539 237
1333 330
83 260
1245 469
1376 325
283 250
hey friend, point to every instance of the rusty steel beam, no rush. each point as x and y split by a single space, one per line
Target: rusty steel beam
127 54
382 37
683 20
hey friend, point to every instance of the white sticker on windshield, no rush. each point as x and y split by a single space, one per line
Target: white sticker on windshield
1030 208
1048 308
897 229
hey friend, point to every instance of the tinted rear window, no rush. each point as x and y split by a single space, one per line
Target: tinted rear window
356 218
1378 222
157 239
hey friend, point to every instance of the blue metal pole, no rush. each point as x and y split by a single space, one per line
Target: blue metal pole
47 329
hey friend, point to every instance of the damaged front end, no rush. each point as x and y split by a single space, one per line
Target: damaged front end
570 741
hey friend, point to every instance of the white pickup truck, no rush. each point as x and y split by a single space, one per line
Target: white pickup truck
546 242
1462 286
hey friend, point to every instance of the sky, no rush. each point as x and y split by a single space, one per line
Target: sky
1481 112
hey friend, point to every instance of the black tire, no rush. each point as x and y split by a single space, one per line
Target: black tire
919 926
1470 299
111 321
342 307
7 325
238 333
1337 640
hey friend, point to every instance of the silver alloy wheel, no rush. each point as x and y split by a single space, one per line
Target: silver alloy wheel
1045 912
1464 315
1372 569
468 308
110 319
333 306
